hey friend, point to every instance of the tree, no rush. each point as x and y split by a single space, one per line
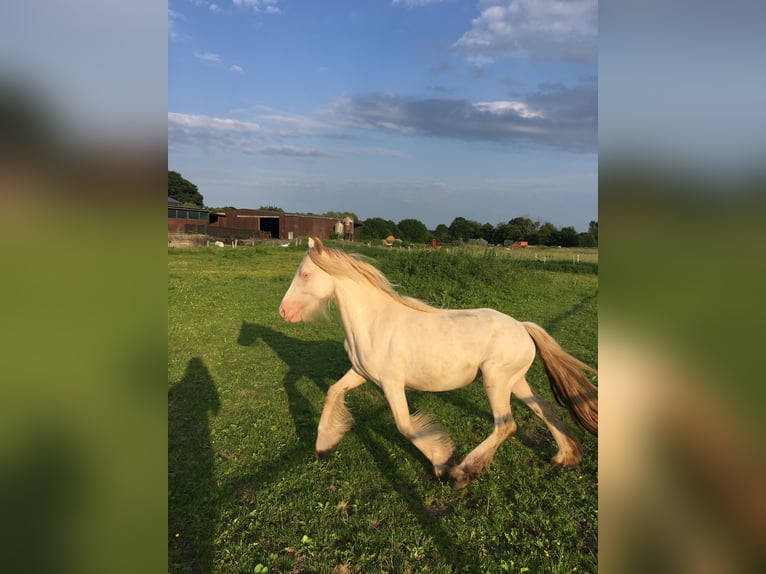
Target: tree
414 231
505 232
586 240
512 233
441 233
463 229
183 190
486 232
547 234
499 234
593 229
527 228
271 208
567 237
377 228
341 215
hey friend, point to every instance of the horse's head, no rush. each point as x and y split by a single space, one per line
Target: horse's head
310 290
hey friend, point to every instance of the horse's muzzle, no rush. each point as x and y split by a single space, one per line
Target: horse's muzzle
291 316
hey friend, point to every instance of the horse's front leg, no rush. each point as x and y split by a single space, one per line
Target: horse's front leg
336 418
425 434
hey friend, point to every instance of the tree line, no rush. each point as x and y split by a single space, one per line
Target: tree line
466 230
414 231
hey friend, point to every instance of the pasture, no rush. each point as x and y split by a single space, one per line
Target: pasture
246 492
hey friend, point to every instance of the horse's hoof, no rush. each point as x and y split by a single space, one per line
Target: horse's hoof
459 479
442 471
565 462
462 482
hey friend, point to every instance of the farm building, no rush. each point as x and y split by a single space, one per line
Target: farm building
184 219
262 224
256 224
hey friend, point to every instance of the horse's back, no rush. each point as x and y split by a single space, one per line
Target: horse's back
445 350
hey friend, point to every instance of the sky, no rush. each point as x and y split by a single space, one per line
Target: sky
424 109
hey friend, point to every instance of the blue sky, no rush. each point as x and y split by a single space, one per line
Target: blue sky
394 109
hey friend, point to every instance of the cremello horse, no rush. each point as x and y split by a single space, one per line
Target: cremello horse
385 336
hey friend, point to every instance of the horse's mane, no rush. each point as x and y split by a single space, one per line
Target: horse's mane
340 264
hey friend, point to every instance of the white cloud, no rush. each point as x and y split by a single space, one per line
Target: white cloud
503 107
291 151
535 29
201 122
235 68
553 116
244 136
291 124
215 8
268 6
375 151
267 136
173 18
208 57
210 133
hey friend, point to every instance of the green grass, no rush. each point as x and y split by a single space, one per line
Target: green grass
246 492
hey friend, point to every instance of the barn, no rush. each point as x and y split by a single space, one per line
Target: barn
264 224
259 224
184 219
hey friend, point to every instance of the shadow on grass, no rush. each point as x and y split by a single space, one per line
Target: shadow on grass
553 324
320 361
192 512
43 482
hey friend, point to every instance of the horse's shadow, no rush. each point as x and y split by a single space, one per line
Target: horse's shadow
323 362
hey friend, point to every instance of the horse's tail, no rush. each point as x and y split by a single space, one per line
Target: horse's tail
569 381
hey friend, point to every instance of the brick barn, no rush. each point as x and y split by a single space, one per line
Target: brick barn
262 224
183 219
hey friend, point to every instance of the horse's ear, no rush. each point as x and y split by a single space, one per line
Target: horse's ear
316 243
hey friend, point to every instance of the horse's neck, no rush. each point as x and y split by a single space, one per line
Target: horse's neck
360 307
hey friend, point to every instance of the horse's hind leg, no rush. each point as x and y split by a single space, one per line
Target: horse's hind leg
427 436
499 395
336 418
569 453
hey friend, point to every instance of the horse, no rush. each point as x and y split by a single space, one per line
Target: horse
384 335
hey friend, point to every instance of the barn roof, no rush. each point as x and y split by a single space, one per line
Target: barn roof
173 201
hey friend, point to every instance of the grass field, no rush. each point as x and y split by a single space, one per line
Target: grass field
246 492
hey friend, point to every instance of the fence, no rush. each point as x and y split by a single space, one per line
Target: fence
228 234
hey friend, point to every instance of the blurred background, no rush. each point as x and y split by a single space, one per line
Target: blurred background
682 182
83 447
681 196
